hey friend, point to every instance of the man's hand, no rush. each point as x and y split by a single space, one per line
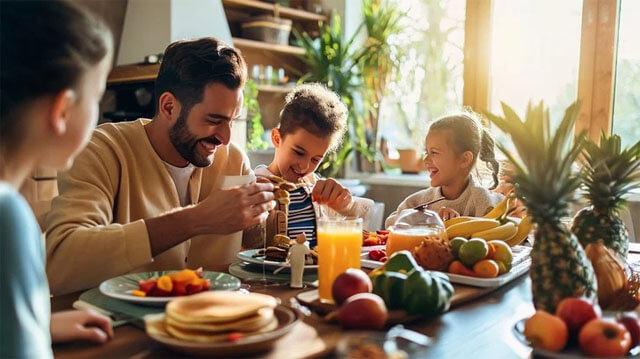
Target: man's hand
80 325
329 191
230 210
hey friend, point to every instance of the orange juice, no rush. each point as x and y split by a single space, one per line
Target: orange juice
339 246
409 238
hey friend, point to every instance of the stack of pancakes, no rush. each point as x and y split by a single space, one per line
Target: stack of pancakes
212 316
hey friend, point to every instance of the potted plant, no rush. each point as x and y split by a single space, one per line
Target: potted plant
255 129
356 72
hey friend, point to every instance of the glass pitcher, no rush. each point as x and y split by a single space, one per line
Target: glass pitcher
412 227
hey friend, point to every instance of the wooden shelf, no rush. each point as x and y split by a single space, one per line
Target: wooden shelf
263 7
274 88
259 45
132 73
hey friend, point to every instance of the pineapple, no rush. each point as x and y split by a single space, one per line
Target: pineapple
608 174
559 265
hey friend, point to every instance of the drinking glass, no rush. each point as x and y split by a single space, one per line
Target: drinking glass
339 246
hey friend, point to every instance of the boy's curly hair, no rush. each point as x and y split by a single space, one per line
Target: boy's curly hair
316 109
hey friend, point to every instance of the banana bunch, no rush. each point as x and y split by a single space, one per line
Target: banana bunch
494 225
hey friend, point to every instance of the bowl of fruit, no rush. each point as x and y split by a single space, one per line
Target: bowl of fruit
579 329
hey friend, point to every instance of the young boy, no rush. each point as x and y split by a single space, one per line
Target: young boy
312 124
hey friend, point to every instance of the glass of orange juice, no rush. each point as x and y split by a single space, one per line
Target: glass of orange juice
411 228
339 246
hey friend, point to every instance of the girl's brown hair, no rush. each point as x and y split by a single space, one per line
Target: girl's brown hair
468 134
45 48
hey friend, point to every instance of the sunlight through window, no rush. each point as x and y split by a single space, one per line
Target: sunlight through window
626 107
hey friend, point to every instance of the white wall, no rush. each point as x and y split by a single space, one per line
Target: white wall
151 25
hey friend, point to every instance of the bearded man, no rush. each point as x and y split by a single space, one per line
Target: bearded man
147 195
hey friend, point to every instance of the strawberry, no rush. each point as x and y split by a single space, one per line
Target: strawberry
376 254
147 285
234 337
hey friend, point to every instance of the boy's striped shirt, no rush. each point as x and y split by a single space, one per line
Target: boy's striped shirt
302 216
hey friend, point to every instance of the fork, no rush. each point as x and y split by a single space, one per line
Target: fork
424 206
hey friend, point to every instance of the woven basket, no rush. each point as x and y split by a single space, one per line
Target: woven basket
267 28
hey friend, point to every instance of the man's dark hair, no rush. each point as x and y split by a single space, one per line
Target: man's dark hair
45 48
188 66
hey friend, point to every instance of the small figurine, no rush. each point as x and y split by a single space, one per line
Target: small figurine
296 258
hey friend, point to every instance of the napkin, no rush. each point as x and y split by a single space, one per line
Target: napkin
119 310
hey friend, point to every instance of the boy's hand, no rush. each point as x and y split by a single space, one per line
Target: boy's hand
80 325
332 193
447 213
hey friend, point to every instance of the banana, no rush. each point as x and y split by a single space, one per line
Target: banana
499 210
521 234
502 232
451 221
466 229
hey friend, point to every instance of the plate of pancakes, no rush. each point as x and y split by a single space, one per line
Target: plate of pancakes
221 323
121 287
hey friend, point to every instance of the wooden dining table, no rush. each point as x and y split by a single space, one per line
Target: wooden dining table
482 327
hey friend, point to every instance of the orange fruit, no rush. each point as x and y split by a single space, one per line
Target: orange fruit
184 276
165 283
502 253
138 293
486 268
492 250
546 331
456 267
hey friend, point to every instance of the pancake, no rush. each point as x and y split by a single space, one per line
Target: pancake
248 324
218 307
204 337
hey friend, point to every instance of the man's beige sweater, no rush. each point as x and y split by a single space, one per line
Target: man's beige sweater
96 228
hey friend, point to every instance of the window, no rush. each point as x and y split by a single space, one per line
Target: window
428 82
535 54
626 107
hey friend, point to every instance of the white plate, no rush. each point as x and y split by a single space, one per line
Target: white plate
251 344
520 266
247 256
122 286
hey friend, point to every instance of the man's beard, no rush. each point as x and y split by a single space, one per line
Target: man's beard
185 142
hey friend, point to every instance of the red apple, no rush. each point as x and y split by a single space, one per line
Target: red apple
363 311
352 281
576 312
604 338
631 322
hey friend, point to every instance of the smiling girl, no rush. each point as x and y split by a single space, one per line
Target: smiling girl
453 146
